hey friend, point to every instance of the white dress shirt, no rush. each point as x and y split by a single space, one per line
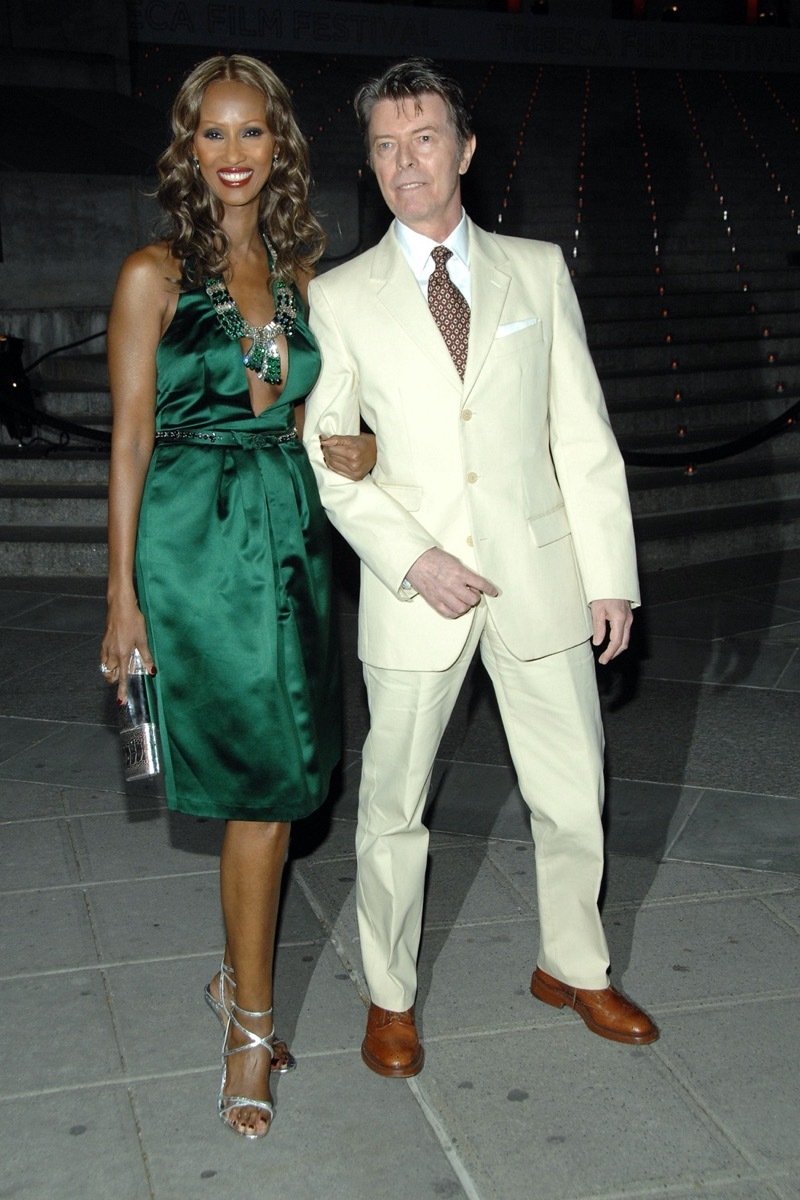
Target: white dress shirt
417 250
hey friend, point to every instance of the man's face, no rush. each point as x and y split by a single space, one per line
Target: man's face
414 153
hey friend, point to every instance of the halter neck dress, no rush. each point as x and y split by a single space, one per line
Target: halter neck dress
233 576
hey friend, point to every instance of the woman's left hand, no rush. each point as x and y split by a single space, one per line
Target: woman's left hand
351 455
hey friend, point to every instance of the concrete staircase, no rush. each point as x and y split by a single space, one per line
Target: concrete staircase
673 200
53 488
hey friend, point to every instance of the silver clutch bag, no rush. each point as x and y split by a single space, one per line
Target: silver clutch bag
139 735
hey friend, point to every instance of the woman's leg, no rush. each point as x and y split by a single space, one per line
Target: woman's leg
251 867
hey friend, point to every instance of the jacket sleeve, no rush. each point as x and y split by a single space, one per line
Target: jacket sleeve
589 466
386 537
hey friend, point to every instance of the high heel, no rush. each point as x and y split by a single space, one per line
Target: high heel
283 1061
226 1104
219 1007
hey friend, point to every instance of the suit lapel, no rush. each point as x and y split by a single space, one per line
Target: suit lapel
490 279
398 291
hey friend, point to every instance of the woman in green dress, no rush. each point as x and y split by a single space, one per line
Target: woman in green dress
213 506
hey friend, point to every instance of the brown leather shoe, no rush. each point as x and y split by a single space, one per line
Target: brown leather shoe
606 1011
391 1045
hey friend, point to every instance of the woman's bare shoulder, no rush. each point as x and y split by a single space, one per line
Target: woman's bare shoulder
152 268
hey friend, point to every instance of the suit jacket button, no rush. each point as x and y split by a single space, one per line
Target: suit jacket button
466 414
470 541
472 477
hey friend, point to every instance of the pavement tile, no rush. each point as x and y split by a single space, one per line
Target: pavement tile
477 977
332 884
716 616
709 942
177 915
165 1025
14 604
329 1139
61 684
756 1043
474 798
790 679
27 654
787 905
45 931
74 1041
82 1144
137 805
337 840
18 736
728 660
784 592
162 1020
788 1186
687 953
762 832
63 614
157 918
643 818
79 755
702 735
638 881
610 1118
29 801
318 1004
463 886
118 846
746 1185
37 854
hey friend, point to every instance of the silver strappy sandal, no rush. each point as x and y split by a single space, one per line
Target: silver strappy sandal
283 1060
226 1104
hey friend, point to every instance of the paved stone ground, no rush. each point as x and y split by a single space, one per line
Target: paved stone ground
110 929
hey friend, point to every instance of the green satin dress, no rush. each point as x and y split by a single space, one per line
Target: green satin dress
233 575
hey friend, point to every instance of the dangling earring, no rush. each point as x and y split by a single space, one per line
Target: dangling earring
196 162
274 161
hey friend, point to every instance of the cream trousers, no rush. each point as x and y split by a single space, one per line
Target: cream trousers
551 716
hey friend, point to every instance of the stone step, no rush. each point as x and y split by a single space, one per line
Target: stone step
65 465
699 284
696 437
44 330
71 371
761 336
708 535
690 309
671 490
80 504
71 405
754 353
649 424
781 380
53 550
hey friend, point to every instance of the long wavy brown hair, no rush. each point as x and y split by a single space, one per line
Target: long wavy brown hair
194 215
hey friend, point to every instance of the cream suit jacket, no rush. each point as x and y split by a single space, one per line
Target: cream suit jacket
515 472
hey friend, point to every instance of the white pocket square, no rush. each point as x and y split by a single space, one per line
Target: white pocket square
515 326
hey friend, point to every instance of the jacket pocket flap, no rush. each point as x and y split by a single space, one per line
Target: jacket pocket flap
406 494
550 526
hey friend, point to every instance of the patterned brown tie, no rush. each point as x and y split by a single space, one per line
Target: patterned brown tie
449 308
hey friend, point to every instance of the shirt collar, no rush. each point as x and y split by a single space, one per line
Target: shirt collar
417 247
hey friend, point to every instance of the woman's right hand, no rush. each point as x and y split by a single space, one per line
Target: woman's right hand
125 632
351 455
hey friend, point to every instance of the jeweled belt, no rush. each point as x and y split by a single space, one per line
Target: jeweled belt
225 437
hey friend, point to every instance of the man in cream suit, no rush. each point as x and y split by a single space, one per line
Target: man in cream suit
496 517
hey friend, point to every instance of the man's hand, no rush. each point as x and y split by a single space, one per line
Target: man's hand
615 618
448 586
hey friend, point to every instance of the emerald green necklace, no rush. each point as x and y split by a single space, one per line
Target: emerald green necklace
263 357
